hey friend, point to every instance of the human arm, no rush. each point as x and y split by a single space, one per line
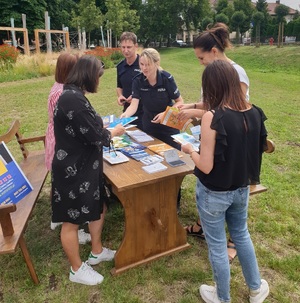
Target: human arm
121 99
131 109
205 160
118 130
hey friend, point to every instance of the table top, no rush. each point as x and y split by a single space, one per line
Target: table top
130 174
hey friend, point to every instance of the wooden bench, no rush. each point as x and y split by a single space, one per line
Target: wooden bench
14 218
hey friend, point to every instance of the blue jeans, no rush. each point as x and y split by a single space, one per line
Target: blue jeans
215 208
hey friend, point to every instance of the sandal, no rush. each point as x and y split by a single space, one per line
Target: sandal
230 245
190 231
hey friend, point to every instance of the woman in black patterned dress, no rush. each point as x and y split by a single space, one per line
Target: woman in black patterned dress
77 169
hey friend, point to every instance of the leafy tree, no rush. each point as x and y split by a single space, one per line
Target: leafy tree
59 12
237 21
247 8
222 5
88 16
222 18
160 19
193 11
281 11
205 22
120 17
262 6
33 9
257 18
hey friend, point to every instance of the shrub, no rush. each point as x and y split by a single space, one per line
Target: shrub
8 55
107 55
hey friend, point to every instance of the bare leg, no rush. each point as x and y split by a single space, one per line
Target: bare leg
95 228
69 240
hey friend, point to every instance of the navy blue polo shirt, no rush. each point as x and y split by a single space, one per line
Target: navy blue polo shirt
125 74
155 100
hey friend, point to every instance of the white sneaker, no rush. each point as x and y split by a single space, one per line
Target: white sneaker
85 275
54 225
209 294
83 237
106 255
259 295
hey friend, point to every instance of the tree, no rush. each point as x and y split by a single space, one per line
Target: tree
237 20
222 18
159 20
34 11
257 18
120 17
193 11
281 11
262 6
205 22
247 8
88 16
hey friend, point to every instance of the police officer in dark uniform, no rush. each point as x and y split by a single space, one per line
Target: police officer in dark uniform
127 69
155 89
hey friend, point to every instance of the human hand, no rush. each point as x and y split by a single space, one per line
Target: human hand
185 114
123 115
118 130
158 118
121 100
187 148
185 106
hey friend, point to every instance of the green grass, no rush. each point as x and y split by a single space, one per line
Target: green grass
273 216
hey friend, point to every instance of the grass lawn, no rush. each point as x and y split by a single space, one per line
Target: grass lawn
273 216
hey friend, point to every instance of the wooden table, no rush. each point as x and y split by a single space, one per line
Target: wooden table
152 228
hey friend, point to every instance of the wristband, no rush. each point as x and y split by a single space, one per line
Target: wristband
195 105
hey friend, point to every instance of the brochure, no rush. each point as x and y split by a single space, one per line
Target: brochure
135 151
111 121
115 157
172 158
184 138
160 148
151 159
170 118
13 183
154 168
139 136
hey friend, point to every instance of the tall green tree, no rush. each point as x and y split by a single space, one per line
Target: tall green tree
160 20
33 9
120 17
262 7
247 8
257 18
237 21
87 16
281 11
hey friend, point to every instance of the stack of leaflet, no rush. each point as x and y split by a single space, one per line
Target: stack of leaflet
137 152
184 138
111 121
139 136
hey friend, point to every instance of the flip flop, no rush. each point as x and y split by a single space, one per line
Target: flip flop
190 231
231 245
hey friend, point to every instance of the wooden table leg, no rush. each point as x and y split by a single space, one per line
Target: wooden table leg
28 260
152 228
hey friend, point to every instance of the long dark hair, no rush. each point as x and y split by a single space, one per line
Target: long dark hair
221 87
217 36
85 73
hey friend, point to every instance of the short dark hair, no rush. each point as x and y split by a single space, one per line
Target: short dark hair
128 36
217 36
222 87
64 64
85 73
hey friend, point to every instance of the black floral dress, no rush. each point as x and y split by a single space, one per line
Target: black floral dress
77 167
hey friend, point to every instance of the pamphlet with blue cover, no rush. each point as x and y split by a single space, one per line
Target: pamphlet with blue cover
13 183
111 121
